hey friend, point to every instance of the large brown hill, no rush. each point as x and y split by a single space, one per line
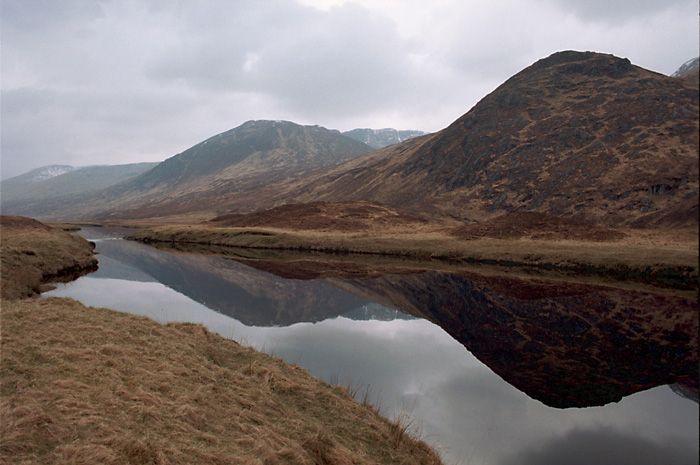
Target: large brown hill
578 134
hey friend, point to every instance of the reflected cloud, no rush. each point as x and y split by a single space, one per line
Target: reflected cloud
605 446
564 344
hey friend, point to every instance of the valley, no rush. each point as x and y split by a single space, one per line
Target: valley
577 135
551 231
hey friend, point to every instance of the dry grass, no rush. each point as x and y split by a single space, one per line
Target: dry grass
671 252
83 385
33 253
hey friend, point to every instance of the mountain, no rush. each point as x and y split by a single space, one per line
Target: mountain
581 135
198 180
27 181
31 190
380 138
243 159
43 173
690 71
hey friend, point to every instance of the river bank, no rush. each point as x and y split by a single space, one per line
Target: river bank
34 254
89 385
662 258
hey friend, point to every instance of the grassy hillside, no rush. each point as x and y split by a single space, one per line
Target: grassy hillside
585 136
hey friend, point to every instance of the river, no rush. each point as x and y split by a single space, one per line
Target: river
487 372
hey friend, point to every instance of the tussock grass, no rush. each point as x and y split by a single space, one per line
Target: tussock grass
84 385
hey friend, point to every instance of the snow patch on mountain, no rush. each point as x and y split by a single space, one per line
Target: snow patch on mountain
378 138
48 172
687 66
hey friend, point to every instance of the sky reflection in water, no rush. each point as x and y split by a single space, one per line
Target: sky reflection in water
414 366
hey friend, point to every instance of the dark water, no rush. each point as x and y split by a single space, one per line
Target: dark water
492 371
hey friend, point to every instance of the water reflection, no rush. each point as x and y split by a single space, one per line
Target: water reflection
414 365
253 297
565 344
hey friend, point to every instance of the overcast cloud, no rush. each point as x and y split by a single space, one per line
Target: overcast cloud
121 81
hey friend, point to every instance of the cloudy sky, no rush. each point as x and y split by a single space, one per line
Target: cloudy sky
120 81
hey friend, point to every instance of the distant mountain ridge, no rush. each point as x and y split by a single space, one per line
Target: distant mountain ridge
49 183
380 138
48 172
690 71
687 67
248 157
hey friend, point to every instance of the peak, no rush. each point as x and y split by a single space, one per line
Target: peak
585 63
687 66
48 172
264 124
267 122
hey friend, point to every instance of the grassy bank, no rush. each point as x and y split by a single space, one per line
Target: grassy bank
34 253
655 257
86 385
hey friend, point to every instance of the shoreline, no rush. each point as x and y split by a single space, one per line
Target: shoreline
93 385
624 260
35 254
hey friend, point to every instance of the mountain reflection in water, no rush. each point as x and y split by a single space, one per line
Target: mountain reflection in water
255 298
414 366
562 343
565 344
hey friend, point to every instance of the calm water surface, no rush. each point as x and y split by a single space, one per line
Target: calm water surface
408 364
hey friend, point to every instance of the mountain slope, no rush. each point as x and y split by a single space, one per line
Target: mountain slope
197 180
690 71
28 191
380 138
581 135
24 183
243 159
